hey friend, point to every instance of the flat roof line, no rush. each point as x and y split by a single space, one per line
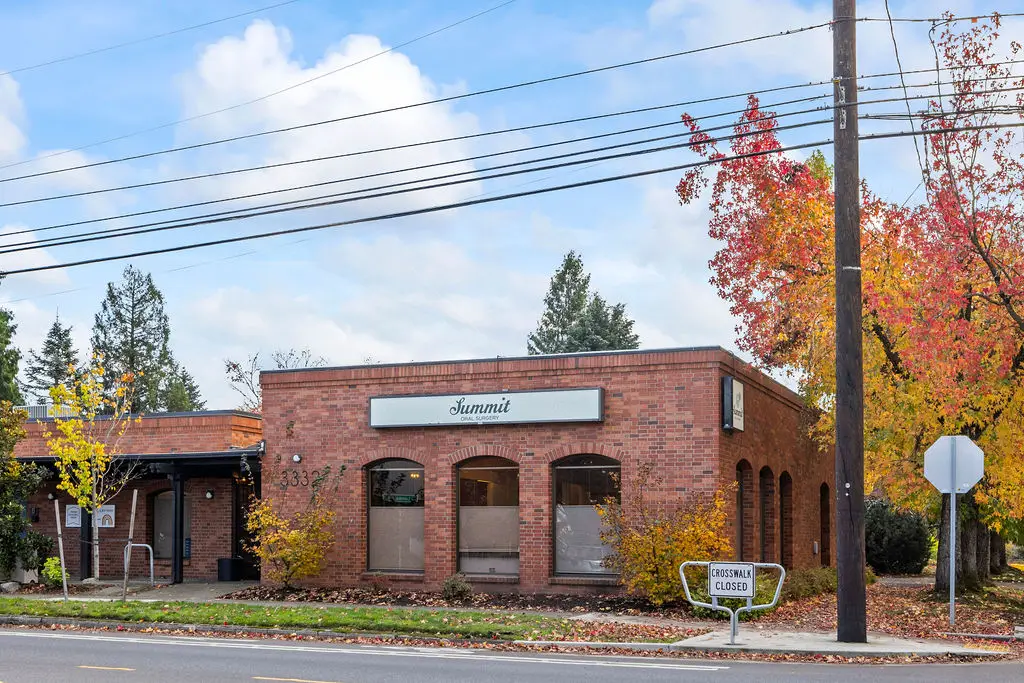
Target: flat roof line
545 356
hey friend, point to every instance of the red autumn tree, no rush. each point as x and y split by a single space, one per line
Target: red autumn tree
943 283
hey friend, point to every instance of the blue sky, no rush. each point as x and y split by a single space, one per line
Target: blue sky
453 284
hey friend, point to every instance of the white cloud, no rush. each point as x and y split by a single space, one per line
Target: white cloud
235 70
12 113
30 257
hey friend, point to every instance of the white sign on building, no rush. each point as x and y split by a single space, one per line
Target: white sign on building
105 517
507 407
73 517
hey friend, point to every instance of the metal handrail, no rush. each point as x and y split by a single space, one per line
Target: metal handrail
152 574
734 625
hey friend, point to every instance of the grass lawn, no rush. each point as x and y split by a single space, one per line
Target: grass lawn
412 622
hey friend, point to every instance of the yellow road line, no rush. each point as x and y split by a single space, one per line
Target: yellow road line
105 668
289 680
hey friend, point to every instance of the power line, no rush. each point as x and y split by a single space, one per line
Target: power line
282 207
388 190
488 200
899 65
403 214
257 99
154 183
167 181
128 43
900 73
441 100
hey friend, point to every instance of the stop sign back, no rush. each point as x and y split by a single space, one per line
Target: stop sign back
954 464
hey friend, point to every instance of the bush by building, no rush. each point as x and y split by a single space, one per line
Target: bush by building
897 541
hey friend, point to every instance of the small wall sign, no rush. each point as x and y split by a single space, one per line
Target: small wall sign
105 516
73 517
732 404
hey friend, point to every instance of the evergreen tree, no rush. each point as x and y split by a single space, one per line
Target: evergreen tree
9 357
50 367
132 332
564 305
180 393
603 328
575 320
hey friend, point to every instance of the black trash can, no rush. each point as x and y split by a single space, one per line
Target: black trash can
229 569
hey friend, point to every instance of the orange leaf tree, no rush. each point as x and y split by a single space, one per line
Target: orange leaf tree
943 281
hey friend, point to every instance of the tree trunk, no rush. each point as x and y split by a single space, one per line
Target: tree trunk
969 546
993 554
1003 566
942 558
982 553
95 545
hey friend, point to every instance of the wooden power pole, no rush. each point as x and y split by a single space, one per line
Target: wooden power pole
852 598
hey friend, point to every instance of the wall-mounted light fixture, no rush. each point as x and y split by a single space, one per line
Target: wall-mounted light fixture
296 458
209 494
50 496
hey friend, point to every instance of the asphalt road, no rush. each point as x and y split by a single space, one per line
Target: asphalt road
38 656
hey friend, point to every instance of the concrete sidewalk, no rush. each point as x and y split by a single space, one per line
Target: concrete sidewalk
818 643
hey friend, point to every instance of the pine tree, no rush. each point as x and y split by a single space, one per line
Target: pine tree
575 320
180 392
132 333
603 328
564 306
51 367
9 357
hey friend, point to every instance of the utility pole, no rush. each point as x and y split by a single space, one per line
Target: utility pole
851 593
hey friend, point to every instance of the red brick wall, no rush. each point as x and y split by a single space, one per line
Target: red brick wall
170 433
775 437
212 520
661 408
211 531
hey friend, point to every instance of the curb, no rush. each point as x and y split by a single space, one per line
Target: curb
988 636
11 620
596 645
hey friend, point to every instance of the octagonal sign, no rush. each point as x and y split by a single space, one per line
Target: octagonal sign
947 453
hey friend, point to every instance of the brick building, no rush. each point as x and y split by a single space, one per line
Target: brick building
492 467
190 462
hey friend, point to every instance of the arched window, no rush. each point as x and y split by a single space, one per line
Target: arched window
786 519
825 526
766 484
163 527
488 502
395 520
744 511
581 482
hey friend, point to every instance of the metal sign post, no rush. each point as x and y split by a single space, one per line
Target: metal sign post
736 580
953 464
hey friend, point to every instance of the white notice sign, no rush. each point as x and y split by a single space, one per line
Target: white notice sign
73 517
507 407
731 579
105 517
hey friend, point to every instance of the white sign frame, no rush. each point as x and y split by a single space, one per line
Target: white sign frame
749 583
105 513
584 404
72 517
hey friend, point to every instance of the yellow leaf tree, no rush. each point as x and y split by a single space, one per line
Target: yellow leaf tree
85 442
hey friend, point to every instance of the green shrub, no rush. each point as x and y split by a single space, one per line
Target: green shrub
51 572
456 589
806 583
35 548
897 541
